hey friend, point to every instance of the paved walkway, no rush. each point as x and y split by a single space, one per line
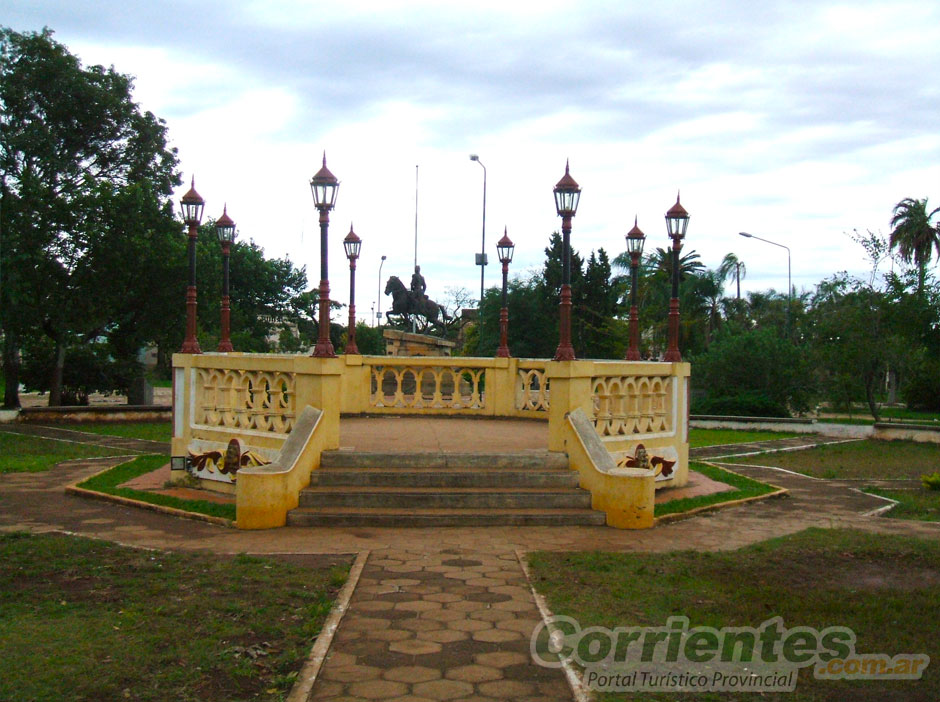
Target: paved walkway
441 613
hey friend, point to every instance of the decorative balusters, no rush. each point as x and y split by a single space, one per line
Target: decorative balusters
631 405
427 387
245 400
532 390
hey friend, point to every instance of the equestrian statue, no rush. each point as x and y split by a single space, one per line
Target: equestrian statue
414 302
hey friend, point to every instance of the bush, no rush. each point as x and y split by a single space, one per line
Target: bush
921 388
931 482
743 405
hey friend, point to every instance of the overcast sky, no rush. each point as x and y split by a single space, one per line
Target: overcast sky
796 121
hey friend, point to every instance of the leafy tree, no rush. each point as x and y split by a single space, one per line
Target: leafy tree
80 167
914 236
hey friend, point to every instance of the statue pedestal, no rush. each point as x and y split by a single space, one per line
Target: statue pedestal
399 343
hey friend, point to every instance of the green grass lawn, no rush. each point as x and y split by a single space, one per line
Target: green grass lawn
920 503
89 620
108 482
745 487
32 454
856 460
717 437
153 431
884 588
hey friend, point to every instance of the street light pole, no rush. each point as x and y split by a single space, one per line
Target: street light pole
567 194
789 279
482 261
352 244
324 187
191 205
225 229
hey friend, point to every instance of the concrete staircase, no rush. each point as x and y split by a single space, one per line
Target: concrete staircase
444 489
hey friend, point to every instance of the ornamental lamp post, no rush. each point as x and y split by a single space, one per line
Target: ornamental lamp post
635 240
567 195
324 187
677 221
352 244
191 205
225 229
504 248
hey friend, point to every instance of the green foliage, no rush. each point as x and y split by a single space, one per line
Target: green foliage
758 367
369 340
931 481
747 404
914 235
921 386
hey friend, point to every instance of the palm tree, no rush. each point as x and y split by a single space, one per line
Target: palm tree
914 236
732 264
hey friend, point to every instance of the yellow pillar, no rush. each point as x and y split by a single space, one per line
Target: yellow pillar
501 387
569 385
319 384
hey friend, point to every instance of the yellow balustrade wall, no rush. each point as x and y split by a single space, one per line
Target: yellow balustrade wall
257 398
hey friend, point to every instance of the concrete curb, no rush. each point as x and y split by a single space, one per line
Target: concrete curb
303 686
578 689
77 491
679 516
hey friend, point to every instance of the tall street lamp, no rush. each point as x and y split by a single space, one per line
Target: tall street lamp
505 248
225 229
352 244
635 240
789 283
481 259
677 221
379 314
324 187
567 194
191 205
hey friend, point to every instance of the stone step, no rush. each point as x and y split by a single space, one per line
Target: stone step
445 498
528 460
378 517
443 477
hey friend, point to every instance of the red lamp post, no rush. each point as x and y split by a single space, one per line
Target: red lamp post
324 187
191 205
505 248
635 240
567 194
352 244
677 221
225 229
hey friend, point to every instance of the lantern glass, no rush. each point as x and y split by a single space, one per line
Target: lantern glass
505 252
677 220
324 187
635 244
352 244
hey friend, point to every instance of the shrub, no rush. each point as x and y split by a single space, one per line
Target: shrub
931 482
743 405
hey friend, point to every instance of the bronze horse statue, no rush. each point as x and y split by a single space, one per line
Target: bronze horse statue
405 302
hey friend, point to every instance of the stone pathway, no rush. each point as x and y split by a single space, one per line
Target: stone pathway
454 624
440 614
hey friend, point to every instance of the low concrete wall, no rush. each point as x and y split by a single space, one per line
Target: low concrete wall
887 431
92 413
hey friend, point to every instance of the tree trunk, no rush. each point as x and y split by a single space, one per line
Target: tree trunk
11 371
871 381
55 387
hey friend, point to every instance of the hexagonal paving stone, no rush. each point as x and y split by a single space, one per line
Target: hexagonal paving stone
442 635
505 689
418 606
350 673
468 625
496 635
415 647
473 673
443 689
377 689
411 674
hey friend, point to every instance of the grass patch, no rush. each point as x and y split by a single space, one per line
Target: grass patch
88 620
152 431
20 453
881 460
744 487
717 437
884 587
108 481
920 504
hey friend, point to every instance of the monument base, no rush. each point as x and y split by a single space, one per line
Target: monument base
400 343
